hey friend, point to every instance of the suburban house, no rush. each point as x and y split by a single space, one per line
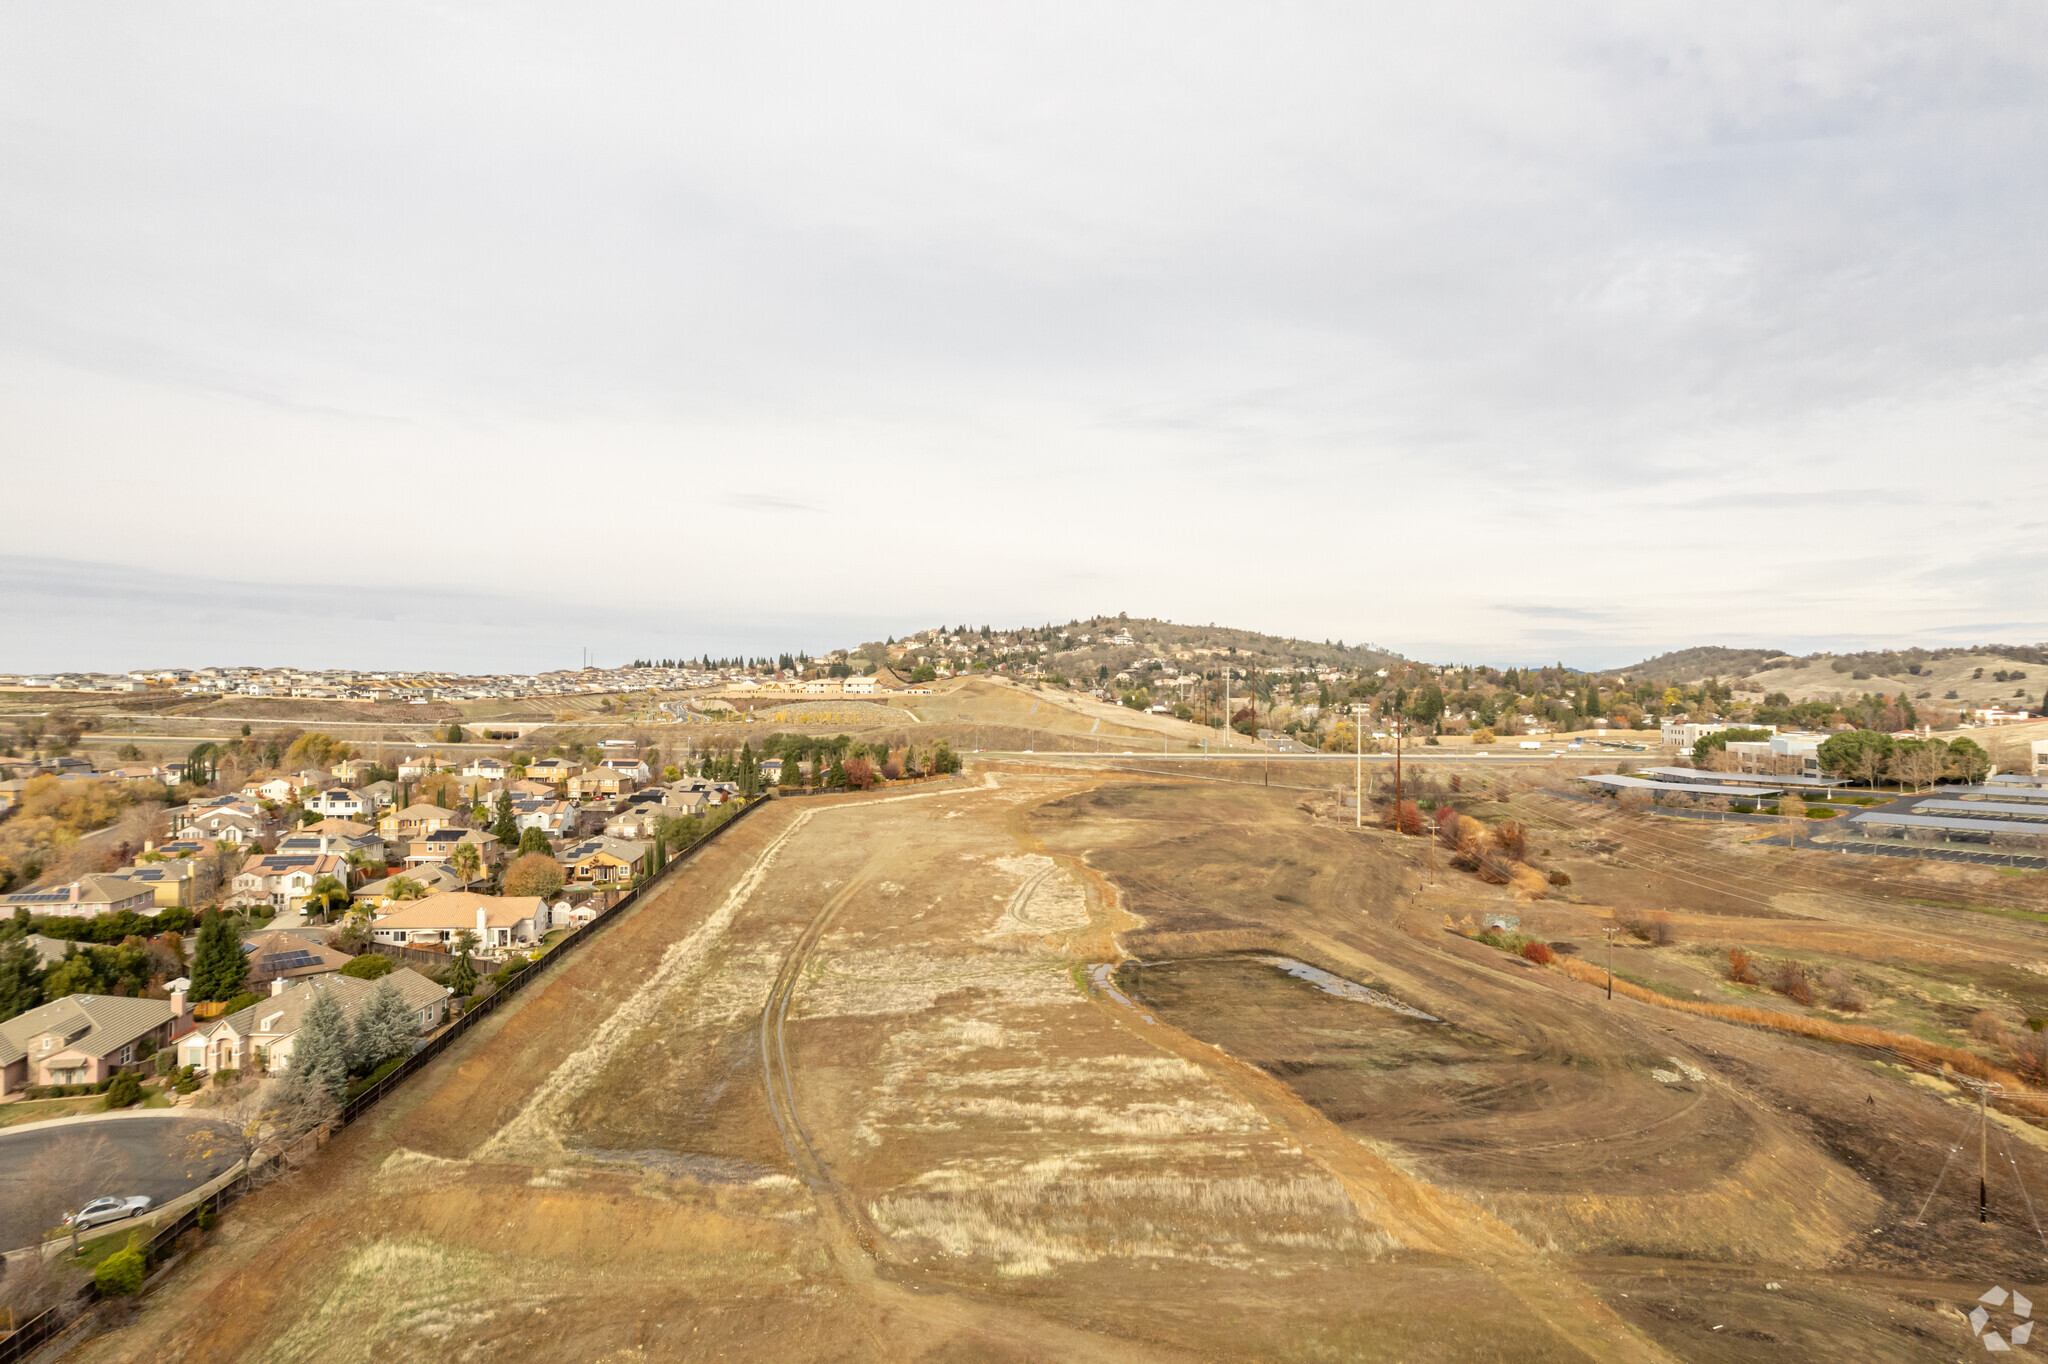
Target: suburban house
314 839
341 803
433 880
280 790
439 846
487 769
554 770
352 770
169 881
86 898
259 1038
636 822
381 794
526 786
83 1039
632 767
414 821
555 818
499 921
288 957
606 861
600 783
413 768
284 880
229 821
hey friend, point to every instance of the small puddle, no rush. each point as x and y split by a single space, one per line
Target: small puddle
1345 989
1100 975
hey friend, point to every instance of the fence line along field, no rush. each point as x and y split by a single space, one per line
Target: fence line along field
1071 1062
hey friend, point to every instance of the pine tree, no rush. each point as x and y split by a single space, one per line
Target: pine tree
219 966
507 827
21 979
384 1028
320 1051
462 977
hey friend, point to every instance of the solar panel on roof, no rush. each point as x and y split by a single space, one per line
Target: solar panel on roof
279 962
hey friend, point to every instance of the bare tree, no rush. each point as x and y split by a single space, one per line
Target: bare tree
255 1121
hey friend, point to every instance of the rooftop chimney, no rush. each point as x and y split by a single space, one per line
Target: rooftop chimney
177 1004
481 931
277 986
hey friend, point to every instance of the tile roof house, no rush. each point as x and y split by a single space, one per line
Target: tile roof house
341 803
83 1039
552 769
86 898
287 956
283 880
600 783
170 880
488 769
434 879
606 861
414 821
498 921
439 846
238 822
260 1037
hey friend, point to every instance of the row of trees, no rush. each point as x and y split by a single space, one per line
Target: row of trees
1870 755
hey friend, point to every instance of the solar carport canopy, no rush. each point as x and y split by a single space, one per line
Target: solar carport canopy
2002 792
1950 823
1689 788
1700 776
1984 807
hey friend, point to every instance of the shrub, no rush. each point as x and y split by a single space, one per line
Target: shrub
1659 930
1633 800
534 874
1742 967
2030 1055
228 1076
1987 1026
207 1217
241 1002
1404 818
1558 878
1537 952
120 1275
1790 980
125 1091
369 966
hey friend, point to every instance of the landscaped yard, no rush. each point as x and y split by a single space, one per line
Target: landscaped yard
38 1110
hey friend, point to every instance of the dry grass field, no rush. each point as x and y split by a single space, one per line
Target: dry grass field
1064 1064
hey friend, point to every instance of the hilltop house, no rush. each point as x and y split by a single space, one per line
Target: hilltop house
607 861
284 880
259 1038
499 921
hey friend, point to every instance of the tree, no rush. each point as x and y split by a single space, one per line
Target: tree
1720 739
1793 810
219 966
121 1274
1967 761
384 1029
462 976
534 874
125 1091
454 734
267 1117
1856 753
328 892
534 841
405 888
369 966
320 1052
21 979
507 825
467 861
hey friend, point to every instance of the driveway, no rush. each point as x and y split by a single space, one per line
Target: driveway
47 1172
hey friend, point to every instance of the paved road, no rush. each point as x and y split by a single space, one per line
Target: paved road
62 1168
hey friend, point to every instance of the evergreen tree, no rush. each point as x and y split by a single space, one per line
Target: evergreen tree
534 841
507 827
219 966
320 1052
21 979
384 1029
462 977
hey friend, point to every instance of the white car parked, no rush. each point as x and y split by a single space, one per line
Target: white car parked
108 1210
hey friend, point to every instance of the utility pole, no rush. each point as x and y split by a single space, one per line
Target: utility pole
1610 961
1983 1137
1358 770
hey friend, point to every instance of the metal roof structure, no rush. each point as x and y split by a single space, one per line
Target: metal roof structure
1700 776
1950 824
1985 807
2002 792
1688 788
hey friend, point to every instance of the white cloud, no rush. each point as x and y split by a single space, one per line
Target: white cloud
1721 324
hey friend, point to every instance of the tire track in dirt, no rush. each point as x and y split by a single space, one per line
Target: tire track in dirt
529 1136
858 1252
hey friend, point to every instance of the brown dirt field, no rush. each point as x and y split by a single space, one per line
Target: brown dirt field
842 1090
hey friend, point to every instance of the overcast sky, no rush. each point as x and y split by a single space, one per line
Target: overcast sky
472 336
